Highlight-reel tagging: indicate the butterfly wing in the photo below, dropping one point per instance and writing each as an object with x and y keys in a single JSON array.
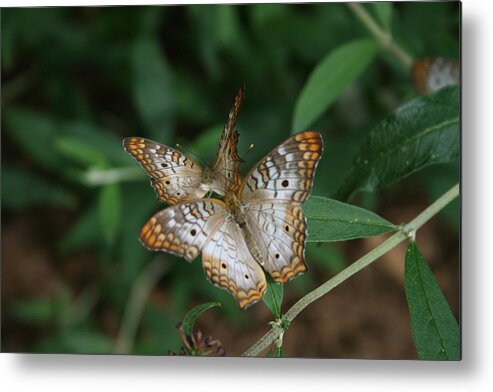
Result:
[
  {"x": 431, "y": 74},
  {"x": 226, "y": 168},
  {"x": 286, "y": 173},
  {"x": 273, "y": 193},
  {"x": 229, "y": 264},
  {"x": 174, "y": 176},
  {"x": 188, "y": 228},
  {"x": 184, "y": 228},
  {"x": 279, "y": 233}
]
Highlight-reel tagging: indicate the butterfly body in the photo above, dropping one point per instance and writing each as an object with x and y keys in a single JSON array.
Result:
[
  {"x": 258, "y": 228},
  {"x": 240, "y": 214},
  {"x": 176, "y": 177}
]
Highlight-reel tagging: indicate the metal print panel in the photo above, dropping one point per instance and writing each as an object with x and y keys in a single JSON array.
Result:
[{"x": 270, "y": 180}]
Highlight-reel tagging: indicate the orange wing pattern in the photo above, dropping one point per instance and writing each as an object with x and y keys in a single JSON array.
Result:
[{"x": 174, "y": 176}]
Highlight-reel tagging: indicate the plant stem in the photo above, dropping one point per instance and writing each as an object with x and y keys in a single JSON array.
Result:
[
  {"x": 95, "y": 177},
  {"x": 384, "y": 38},
  {"x": 136, "y": 303},
  {"x": 407, "y": 231}
]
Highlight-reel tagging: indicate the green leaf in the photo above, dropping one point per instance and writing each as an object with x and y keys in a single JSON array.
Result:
[
  {"x": 160, "y": 336},
  {"x": 435, "y": 330},
  {"x": 34, "y": 133},
  {"x": 134, "y": 255},
  {"x": 110, "y": 204},
  {"x": 215, "y": 28},
  {"x": 205, "y": 145},
  {"x": 332, "y": 220},
  {"x": 273, "y": 296},
  {"x": 153, "y": 94},
  {"x": 88, "y": 342},
  {"x": 21, "y": 189},
  {"x": 383, "y": 12},
  {"x": 85, "y": 231},
  {"x": 191, "y": 104},
  {"x": 327, "y": 256},
  {"x": 276, "y": 352},
  {"x": 39, "y": 310},
  {"x": 327, "y": 81},
  {"x": 8, "y": 44},
  {"x": 191, "y": 316},
  {"x": 103, "y": 141},
  {"x": 80, "y": 151},
  {"x": 422, "y": 132},
  {"x": 39, "y": 136},
  {"x": 81, "y": 340},
  {"x": 227, "y": 25},
  {"x": 304, "y": 282}
]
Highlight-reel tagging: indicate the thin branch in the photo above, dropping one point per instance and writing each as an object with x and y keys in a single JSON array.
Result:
[
  {"x": 96, "y": 177},
  {"x": 136, "y": 304},
  {"x": 383, "y": 37},
  {"x": 406, "y": 232}
]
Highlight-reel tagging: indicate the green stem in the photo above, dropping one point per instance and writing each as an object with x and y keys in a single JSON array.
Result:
[
  {"x": 136, "y": 303},
  {"x": 95, "y": 177},
  {"x": 384, "y": 38},
  {"x": 406, "y": 232}
]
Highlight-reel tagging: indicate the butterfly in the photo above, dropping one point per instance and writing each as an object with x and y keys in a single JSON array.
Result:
[
  {"x": 176, "y": 177},
  {"x": 431, "y": 74},
  {"x": 259, "y": 225}
]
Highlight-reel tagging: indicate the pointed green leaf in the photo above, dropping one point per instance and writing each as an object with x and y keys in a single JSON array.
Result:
[
  {"x": 422, "y": 132},
  {"x": 276, "y": 352},
  {"x": 79, "y": 151},
  {"x": 102, "y": 140},
  {"x": 192, "y": 315},
  {"x": 273, "y": 296},
  {"x": 21, "y": 189},
  {"x": 327, "y": 81},
  {"x": 332, "y": 220},
  {"x": 84, "y": 232},
  {"x": 110, "y": 206},
  {"x": 34, "y": 133},
  {"x": 39, "y": 136},
  {"x": 435, "y": 330}
]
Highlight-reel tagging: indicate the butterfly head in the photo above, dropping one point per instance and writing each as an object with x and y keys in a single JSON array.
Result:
[{"x": 207, "y": 176}]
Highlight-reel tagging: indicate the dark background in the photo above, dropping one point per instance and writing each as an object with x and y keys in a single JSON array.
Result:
[{"x": 76, "y": 81}]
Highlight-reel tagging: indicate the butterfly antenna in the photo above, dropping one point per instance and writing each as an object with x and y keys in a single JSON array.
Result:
[
  {"x": 197, "y": 156},
  {"x": 250, "y": 148}
]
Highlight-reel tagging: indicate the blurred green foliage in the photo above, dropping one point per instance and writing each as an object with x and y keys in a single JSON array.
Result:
[{"x": 79, "y": 80}]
